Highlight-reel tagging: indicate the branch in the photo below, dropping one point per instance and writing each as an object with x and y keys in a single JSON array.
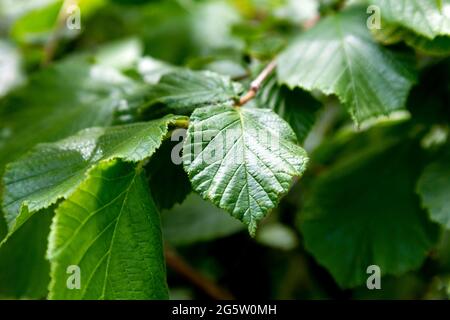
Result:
[
  {"x": 256, "y": 84},
  {"x": 179, "y": 265}
]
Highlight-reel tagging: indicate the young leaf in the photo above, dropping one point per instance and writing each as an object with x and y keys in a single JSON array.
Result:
[
  {"x": 363, "y": 211},
  {"x": 183, "y": 91},
  {"x": 340, "y": 57},
  {"x": 242, "y": 159},
  {"x": 110, "y": 229},
  {"x": 429, "y": 18},
  {"x": 434, "y": 189},
  {"x": 54, "y": 170}
]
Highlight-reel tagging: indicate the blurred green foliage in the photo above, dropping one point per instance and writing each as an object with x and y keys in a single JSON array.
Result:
[{"x": 368, "y": 195}]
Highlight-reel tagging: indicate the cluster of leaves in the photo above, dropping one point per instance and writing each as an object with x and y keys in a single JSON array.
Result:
[{"x": 85, "y": 142}]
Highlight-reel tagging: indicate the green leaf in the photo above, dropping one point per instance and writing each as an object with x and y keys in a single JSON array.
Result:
[
  {"x": 363, "y": 211},
  {"x": 40, "y": 22},
  {"x": 211, "y": 24},
  {"x": 242, "y": 159},
  {"x": 10, "y": 67},
  {"x": 151, "y": 70},
  {"x": 339, "y": 57},
  {"x": 183, "y": 91},
  {"x": 60, "y": 101},
  {"x": 391, "y": 34},
  {"x": 434, "y": 190},
  {"x": 3, "y": 226},
  {"x": 54, "y": 170},
  {"x": 24, "y": 271},
  {"x": 110, "y": 229},
  {"x": 168, "y": 181},
  {"x": 197, "y": 220},
  {"x": 428, "y": 102},
  {"x": 36, "y": 25},
  {"x": 429, "y": 18},
  {"x": 296, "y": 106}
]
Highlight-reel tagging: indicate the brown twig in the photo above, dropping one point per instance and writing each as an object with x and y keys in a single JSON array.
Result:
[
  {"x": 179, "y": 265},
  {"x": 256, "y": 84}
]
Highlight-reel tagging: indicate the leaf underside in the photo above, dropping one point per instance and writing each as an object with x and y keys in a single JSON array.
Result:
[{"x": 363, "y": 211}]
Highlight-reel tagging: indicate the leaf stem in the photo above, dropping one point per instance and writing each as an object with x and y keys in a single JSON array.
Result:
[
  {"x": 256, "y": 84},
  {"x": 179, "y": 265}
]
